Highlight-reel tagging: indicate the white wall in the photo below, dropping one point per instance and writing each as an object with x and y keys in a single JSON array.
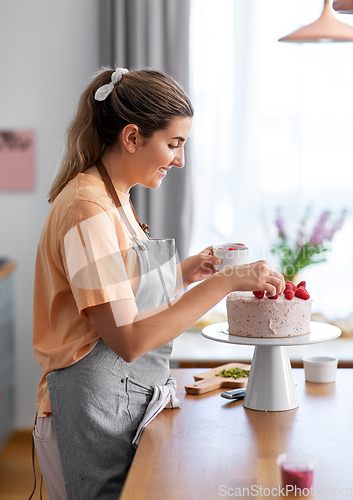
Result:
[{"x": 48, "y": 52}]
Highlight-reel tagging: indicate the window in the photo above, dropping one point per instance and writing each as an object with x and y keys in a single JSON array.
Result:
[{"x": 273, "y": 127}]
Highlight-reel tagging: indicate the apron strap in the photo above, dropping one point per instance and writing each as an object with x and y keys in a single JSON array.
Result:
[
  {"x": 108, "y": 183},
  {"x": 145, "y": 228},
  {"x": 112, "y": 191},
  {"x": 34, "y": 467}
]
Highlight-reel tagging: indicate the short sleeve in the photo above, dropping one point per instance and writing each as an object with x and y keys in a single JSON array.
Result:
[{"x": 93, "y": 257}]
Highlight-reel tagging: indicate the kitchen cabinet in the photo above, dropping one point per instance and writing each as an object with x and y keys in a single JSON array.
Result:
[{"x": 6, "y": 350}]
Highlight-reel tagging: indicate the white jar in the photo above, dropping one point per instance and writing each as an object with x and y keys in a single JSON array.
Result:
[{"x": 320, "y": 369}]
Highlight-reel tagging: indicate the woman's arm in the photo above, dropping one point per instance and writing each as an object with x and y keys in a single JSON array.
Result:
[{"x": 131, "y": 335}]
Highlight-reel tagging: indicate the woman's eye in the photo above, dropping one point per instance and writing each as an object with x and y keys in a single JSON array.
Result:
[{"x": 172, "y": 147}]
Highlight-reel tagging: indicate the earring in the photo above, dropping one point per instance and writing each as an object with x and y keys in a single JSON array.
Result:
[{"x": 130, "y": 149}]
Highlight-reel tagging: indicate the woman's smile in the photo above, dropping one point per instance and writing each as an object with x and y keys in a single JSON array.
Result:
[{"x": 163, "y": 171}]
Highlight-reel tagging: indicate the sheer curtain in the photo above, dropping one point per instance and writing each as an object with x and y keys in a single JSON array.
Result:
[
  {"x": 273, "y": 128},
  {"x": 154, "y": 33}
]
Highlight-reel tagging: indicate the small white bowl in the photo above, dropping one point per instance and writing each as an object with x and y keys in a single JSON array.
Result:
[
  {"x": 320, "y": 369},
  {"x": 235, "y": 257}
]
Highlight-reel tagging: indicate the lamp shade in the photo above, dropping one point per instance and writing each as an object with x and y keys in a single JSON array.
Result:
[
  {"x": 326, "y": 29},
  {"x": 343, "y": 6}
]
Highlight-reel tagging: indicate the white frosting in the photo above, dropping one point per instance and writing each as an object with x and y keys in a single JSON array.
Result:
[{"x": 249, "y": 316}]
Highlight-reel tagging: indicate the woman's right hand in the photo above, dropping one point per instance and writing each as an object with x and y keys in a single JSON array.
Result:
[{"x": 254, "y": 276}]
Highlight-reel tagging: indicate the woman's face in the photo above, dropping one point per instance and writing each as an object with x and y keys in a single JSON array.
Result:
[{"x": 156, "y": 156}]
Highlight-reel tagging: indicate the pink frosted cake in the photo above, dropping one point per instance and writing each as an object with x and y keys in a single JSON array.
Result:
[{"x": 259, "y": 316}]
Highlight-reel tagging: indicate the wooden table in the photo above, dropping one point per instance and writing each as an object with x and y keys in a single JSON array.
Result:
[{"x": 211, "y": 448}]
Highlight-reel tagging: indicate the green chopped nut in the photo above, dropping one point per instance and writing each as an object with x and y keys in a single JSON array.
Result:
[{"x": 234, "y": 373}]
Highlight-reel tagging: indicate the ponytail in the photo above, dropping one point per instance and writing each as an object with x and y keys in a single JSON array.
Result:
[{"x": 83, "y": 143}]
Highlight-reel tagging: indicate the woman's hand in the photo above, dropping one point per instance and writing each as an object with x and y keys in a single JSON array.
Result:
[
  {"x": 198, "y": 267},
  {"x": 255, "y": 276}
]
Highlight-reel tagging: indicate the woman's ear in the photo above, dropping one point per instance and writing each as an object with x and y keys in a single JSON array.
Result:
[{"x": 130, "y": 137}]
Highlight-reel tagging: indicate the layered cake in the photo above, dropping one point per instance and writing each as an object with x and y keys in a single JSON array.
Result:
[{"x": 252, "y": 314}]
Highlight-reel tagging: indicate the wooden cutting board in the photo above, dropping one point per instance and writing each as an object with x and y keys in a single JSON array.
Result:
[{"x": 209, "y": 381}]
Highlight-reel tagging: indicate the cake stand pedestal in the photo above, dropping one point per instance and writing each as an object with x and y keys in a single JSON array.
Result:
[{"x": 271, "y": 384}]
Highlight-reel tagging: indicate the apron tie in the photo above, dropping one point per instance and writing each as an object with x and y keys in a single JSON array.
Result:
[{"x": 164, "y": 396}]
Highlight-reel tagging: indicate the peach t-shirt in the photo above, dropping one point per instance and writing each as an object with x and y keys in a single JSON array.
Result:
[{"x": 84, "y": 258}]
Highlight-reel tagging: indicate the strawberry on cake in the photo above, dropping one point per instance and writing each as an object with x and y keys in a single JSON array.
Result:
[{"x": 253, "y": 314}]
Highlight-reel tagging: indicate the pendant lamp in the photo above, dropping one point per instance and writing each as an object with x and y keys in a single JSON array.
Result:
[
  {"x": 326, "y": 29},
  {"x": 343, "y": 6}
]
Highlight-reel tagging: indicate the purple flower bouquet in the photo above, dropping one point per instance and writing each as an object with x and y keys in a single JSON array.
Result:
[{"x": 309, "y": 246}]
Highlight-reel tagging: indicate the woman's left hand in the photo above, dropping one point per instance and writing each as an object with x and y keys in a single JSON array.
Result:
[{"x": 198, "y": 267}]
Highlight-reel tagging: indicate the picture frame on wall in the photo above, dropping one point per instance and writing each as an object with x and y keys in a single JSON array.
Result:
[{"x": 17, "y": 157}]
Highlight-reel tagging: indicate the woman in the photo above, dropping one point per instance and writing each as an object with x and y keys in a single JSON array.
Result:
[{"x": 104, "y": 313}]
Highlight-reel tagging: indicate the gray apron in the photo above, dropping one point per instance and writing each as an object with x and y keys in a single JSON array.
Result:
[{"x": 99, "y": 402}]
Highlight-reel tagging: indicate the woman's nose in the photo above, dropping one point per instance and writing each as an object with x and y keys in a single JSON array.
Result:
[{"x": 179, "y": 158}]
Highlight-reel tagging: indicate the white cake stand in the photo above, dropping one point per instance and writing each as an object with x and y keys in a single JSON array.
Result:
[{"x": 271, "y": 384}]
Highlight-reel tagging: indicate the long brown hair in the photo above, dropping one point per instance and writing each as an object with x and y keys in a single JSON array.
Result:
[{"x": 147, "y": 98}]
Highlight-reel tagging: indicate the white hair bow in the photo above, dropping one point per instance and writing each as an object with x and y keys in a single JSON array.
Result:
[{"x": 103, "y": 92}]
